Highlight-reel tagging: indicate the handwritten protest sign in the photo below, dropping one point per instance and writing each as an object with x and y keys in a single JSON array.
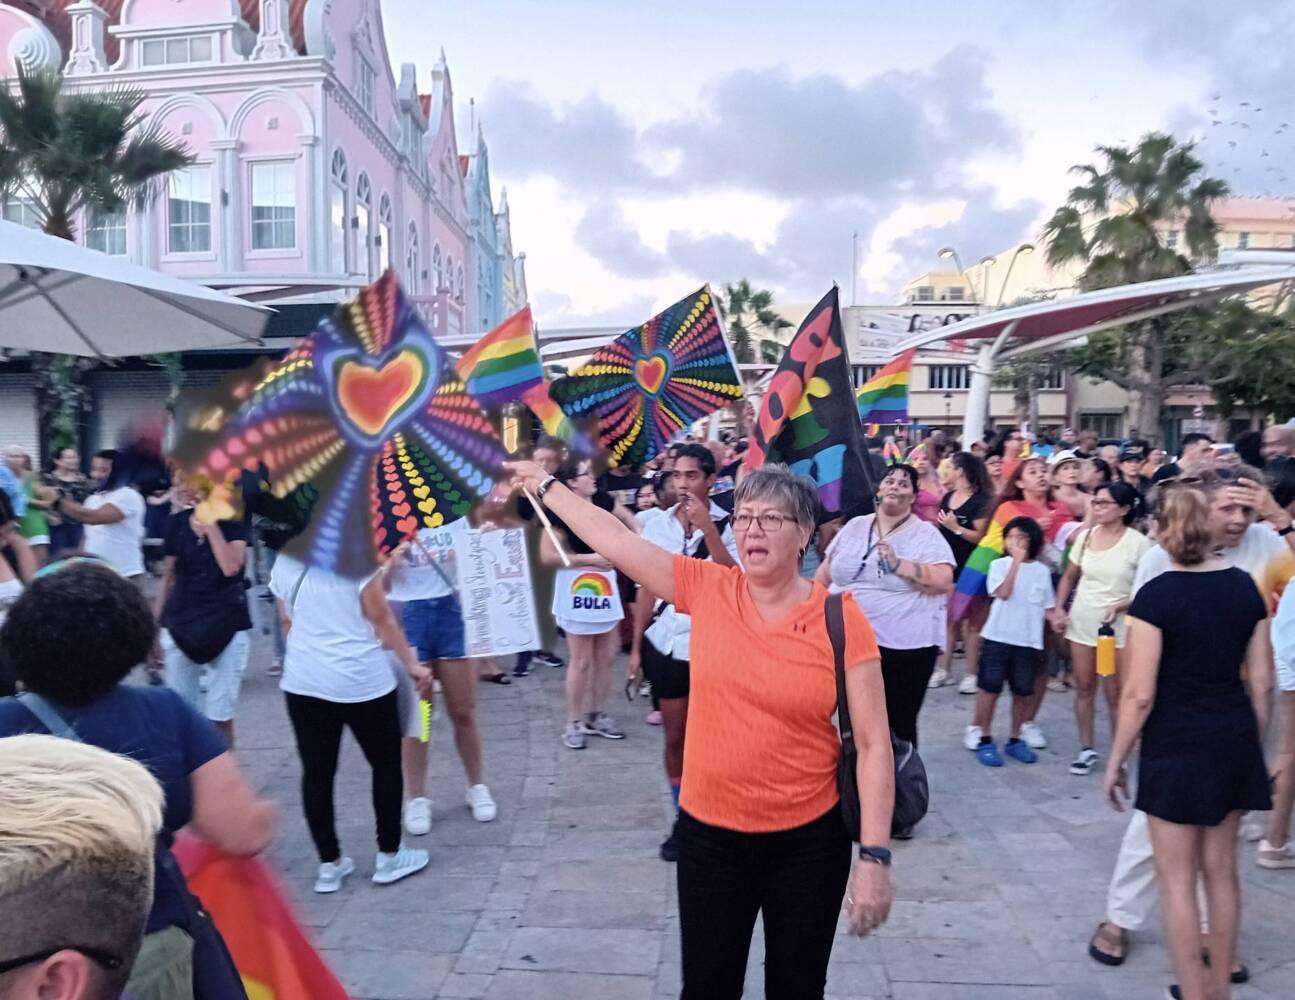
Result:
[{"x": 495, "y": 588}]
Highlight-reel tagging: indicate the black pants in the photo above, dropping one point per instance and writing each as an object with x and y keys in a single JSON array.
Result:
[
  {"x": 796, "y": 878},
  {"x": 318, "y": 727},
  {"x": 905, "y": 672}
]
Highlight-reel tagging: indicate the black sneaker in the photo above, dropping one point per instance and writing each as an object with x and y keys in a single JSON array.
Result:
[
  {"x": 521, "y": 671},
  {"x": 548, "y": 659},
  {"x": 669, "y": 849}
]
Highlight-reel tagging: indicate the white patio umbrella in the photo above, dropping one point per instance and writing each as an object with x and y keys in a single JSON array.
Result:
[{"x": 62, "y": 298}]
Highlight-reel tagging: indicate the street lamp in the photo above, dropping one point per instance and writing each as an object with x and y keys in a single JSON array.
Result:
[
  {"x": 946, "y": 253},
  {"x": 1024, "y": 250}
]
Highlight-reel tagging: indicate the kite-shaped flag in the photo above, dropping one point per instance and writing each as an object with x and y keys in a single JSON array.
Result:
[
  {"x": 649, "y": 384},
  {"x": 883, "y": 399},
  {"x": 808, "y": 418},
  {"x": 369, "y": 410},
  {"x": 504, "y": 364}
]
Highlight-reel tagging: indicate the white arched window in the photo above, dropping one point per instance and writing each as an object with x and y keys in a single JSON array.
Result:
[
  {"x": 436, "y": 267},
  {"x": 363, "y": 251},
  {"x": 384, "y": 234},
  {"x": 458, "y": 283},
  {"x": 448, "y": 280},
  {"x": 337, "y": 217},
  {"x": 413, "y": 262}
]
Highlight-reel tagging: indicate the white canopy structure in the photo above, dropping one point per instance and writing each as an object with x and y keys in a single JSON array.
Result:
[
  {"x": 63, "y": 298},
  {"x": 1041, "y": 326}
]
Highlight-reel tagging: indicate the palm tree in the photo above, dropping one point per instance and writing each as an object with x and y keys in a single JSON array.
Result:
[
  {"x": 63, "y": 153},
  {"x": 748, "y": 313},
  {"x": 1115, "y": 223}
]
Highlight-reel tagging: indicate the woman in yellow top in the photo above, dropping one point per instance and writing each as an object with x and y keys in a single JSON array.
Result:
[{"x": 1103, "y": 561}]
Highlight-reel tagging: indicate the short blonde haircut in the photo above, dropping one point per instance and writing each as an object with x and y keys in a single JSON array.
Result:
[
  {"x": 1186, "y": 526},
  {"x": 78, "y": 827}
]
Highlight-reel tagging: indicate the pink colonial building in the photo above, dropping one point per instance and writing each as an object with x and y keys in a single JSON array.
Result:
[{"x": 316, "y": 167}]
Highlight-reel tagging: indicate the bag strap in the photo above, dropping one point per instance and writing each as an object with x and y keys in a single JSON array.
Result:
[
  {"x": 836, "y": 634},
  {"x": 49, "y": 717},
  {"x": 296, "y": 589}
]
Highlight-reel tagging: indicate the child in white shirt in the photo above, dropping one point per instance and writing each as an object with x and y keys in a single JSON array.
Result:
[{"x": 1021, "y": 587}]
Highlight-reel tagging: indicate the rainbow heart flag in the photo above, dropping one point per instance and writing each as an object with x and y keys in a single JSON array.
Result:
[
  {"x": 972, "y": 587},
  {"x": 883, "y": 399},
  {"x": 504, "y": 364},
  {"x": 807, "y": 418},
  {"x": 650, "y": 384}
]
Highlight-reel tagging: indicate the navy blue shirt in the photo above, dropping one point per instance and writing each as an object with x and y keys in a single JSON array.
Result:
[{"x": 156, "y": 727}]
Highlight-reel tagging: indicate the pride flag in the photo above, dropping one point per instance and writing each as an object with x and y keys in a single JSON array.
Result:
[
  {"x": 883, "y": 399},
  {"x": 274, "y": 958},
  {"x": 972, "y": 586},
  {"x": 806, "y": 419},
  {"x": 504, "y": 364}
]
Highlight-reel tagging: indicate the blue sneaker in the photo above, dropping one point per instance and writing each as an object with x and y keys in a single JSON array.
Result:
[
  {"x": 987, "y": 754},
  {"x": 1019, "y": 750}
]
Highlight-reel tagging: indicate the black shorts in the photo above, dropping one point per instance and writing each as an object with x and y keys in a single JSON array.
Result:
[
  {"x": 668, "y": 676},
  {"x": 1015, "y": 664}
]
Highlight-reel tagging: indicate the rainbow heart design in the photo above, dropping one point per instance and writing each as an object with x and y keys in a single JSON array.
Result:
[
  {"x": 651, "y": 373},
  {"x": 373, "y": 397}
]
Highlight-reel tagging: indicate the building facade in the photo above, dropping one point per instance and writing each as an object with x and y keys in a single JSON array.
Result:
[{"x": 316, "y": 166}]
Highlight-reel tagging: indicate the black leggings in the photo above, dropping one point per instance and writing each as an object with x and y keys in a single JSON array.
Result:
[
  {"x": 318, "y": 727},
  {"x": 905, "y": 672},
  {"x": 796, "y": 878}
]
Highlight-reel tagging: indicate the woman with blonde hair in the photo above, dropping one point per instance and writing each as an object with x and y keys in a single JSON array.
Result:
[{"x": 1201, "y": 764}]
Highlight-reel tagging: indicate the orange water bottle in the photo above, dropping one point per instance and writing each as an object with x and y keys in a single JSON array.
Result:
[{"x": 1106, "y": 650}]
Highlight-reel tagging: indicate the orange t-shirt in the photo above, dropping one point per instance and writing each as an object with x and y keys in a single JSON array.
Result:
[{"x": 762, "y": 747}]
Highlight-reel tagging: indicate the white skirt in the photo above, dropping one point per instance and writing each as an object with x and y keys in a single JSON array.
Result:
[{"x": 586, "y": 601}]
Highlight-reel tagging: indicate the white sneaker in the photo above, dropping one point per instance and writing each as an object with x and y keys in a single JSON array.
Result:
[
  {"x": 1252, "y": 828},
  {"x": 574, "y": 737},
  {"x": 331, "y": 874},
  {"x": 388, "y": 868},
  {"x": 939, "y": 678},
  {"x": 968, "y": 684},
  {"x": 1268, "y": 856},
  {"x": 1033, "y": 736},
  {"x": 971, "y": 738},
  {"x": 418, "y": 817},
  {"x": 1085, "y": 762},
  {"x": 482, "y": 805}
]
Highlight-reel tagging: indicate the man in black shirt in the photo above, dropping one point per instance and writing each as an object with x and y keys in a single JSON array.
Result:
[{"x": 1196, "y": 448}]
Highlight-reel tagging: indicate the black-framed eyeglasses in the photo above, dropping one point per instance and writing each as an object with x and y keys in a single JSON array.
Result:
[
  {"x": 769, "y": 521},
  {"x": 107, "y": 960}
]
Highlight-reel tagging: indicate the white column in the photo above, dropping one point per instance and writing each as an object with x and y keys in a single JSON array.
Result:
[
  {"x": 982, "y": 376},
  {"x": 87, "y": 56},
  {"x": 229, "y": 258},
  {"x": 317, "y": 219}
]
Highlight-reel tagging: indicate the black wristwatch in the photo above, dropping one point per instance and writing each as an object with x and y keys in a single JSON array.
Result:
[
  {"x": 545, "y": 486},
  {"x": 1286, "y": 530},
  {"x": 876, "y": 855}
]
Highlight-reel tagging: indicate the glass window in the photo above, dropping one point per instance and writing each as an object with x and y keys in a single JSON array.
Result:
[
  {"x": 447, "y": 279},
  {"x": 1171, "y": 239},
  {"x": 436, "y": 266},
  {"x": 363, "y": 239},
  {"x": 175, "y": 51},
  {"x": 864, "y": 372},
  {"x": 1243, "y": 241},
  {"x": 22, "y": 210},
  {"x": 107, "y": 233},
  {"x": 1052, "y": 378},
  {"x": 189, "y": 211},
  {"x": 950, "y": 376},
  {"x": 413, "y": 262},
  {"x": 384, "y": 234},
  {"x": 1107, "y": 425},
  {"x": 925, "y": 293},
  {"x": 458, "y": 283},
  {"x": 274, "y": 205},
  {"x": 337, "y": 228},
  {"x": 366, "y": 85}
]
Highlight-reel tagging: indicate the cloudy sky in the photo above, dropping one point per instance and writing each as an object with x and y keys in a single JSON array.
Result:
[{"x": 648, "y": 147}]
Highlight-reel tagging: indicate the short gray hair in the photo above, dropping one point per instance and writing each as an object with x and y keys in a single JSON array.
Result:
[{"x": 797, "y": 495}]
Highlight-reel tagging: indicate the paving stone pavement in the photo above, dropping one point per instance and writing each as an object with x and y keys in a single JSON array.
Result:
[{"x": 563, "y": 896}]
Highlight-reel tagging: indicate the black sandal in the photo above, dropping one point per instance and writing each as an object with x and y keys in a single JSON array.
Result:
[
  {"x": 1240, "y": 975},
  {"x": 500, "y": 678},
  {"x": 1105, "y": 958}
]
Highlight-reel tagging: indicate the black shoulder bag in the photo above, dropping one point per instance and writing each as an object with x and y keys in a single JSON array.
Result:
[
  {"x": 912, "y": 793},
  {"x": 215, "y": 976}
]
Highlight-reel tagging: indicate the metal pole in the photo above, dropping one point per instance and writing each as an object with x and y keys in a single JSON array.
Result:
[
  {"x": 854, "y": 270},
  {"x": 982, "y": 376}
]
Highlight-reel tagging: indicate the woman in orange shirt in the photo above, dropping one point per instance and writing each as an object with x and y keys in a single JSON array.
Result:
[{"x": 760, "y": 826}]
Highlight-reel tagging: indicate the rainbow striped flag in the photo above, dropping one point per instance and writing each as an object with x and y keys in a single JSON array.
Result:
[
  {"x": 504, "y": 364},
  {"x": 972, "y": 587},
  {"x": 883, "y": 399},
  {"x": 554, "y": 421}
]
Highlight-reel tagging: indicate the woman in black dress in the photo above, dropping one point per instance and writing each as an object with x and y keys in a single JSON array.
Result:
[
  {"x": 1201, "y": 766},
  {"x": 963, "y": 518}
]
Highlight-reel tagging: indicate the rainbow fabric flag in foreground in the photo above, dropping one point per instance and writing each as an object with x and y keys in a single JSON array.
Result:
[
  {"x": 504, "y": 364},
  {"x": 883, "y": 399},
  {"x": 275, "y": 959}
]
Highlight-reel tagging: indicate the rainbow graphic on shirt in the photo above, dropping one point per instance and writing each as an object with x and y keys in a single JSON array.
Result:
[{"x": 591, "y": 592}]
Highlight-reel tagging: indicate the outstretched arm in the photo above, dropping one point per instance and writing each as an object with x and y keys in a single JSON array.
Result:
[{"x": 645, "y": 563}]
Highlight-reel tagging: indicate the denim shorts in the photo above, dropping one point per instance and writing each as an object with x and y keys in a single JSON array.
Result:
[
  {"x": 1015, "y": 664},
  {"x": 434, "y": 627}
]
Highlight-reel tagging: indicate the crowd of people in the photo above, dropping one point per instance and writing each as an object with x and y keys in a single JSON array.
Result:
[{"x": 1041, "y": 565}]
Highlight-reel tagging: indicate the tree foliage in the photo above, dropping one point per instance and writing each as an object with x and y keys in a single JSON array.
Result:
[
  {"x": 1114, "y": 223},
  {"x": 752, "y": 323}
]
